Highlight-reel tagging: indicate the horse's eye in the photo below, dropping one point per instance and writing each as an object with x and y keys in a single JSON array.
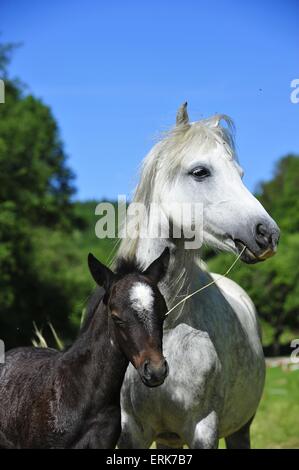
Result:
[
  {"x": 200, "y": 173},
  {"x": 118, "y": 321}
]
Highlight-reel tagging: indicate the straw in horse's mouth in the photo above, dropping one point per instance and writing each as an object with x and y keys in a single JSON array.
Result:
[{"x": 248, "y": 255}]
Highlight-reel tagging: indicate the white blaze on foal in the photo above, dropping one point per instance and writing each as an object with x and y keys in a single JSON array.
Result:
[{"x": 142, "y": 298}]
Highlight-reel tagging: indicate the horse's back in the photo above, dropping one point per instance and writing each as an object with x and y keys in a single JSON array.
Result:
[
  {"x": 242, "y": 305},
  {"x": 25, "y": 377},
  {"x": 20, "y": 361}
]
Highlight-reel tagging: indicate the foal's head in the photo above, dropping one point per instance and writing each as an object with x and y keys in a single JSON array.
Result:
[{"x": 136, "y": 310}]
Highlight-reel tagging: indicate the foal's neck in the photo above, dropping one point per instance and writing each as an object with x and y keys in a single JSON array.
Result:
[{"x": 97, "y": 357}]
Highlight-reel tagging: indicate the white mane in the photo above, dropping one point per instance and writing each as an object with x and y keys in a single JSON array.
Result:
[{"x": 164, "y": 159}]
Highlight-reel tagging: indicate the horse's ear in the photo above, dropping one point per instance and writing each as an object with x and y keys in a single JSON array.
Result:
[
  {"x": 158, "y": 268},
  {"x": 182, "y": 117},
  {"x": 101, "y": 274}
]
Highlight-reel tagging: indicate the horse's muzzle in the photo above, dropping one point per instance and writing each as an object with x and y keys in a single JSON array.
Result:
[
  {"x": 153, "y": 375},
  {"x": 262, "y": 246}
]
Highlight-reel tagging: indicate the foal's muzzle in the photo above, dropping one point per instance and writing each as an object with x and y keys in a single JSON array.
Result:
[{"x": 153, "y": 375}]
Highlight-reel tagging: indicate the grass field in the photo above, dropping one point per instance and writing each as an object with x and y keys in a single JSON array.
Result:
[
  {"x": 277, "y": 421},
  {"x": 276, "y": 425}
]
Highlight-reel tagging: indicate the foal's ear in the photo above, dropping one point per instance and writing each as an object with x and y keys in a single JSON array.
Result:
[
  {"x": 101, "y": 274},
  {"x": 158, "y": 268}
]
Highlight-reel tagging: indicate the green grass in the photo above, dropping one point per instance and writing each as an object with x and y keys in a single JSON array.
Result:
[
  {"x": 276, "y": 425},
  {"x": 277, "y": 421}
]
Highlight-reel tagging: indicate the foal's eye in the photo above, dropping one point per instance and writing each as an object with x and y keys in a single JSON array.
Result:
[
  {"x": 200, "y": 173},
  {"x": 118, "y": 321}
]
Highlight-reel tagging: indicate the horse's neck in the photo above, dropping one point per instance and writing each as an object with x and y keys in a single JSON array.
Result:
[
  {"x": 182, "y": 276},
  {"x": 96, "y": 358}
]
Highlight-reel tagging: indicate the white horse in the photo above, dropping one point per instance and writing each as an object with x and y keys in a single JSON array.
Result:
[{"x": 212, "y": 341}]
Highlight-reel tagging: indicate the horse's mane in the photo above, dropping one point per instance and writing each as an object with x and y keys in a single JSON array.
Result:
[
  {"x": 163, "y": 160},
  {"x": 92, "y": 306},
  {"x": 124, "y": 266}
]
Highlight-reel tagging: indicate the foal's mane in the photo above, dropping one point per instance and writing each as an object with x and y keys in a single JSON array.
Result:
[
  {"x": 126, "y": 266},
  {"x": 162, "y": 162}
]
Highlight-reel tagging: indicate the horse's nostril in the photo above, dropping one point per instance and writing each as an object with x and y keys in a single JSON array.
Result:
[
  {"x": 146, "y": 369},
  {"x": 166, "y": 368},
  {"x": 154, "y": 374},
  {"x": 263, "y": 236},
  {"x": 261, "y": 230}
]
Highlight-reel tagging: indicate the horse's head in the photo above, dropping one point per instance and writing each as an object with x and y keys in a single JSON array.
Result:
[
  {"x": 136, "y": 310},
  {"x": 196, "y": 163}
]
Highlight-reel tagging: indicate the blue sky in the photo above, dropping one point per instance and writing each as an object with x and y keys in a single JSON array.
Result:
[{"x": 114, "y": 73}]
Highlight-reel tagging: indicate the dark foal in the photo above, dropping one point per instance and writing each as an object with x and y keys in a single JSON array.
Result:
[{"x": 71, "y": 399}]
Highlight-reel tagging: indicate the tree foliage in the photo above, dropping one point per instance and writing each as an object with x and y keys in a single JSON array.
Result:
[
  {"x": 280, "y": 195},
  {"x": 36, "y": 186}
]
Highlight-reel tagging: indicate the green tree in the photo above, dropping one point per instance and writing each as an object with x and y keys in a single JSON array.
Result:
[
  {"x": 36, "y": 186},
  {"x": 279, "y": 196}
]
